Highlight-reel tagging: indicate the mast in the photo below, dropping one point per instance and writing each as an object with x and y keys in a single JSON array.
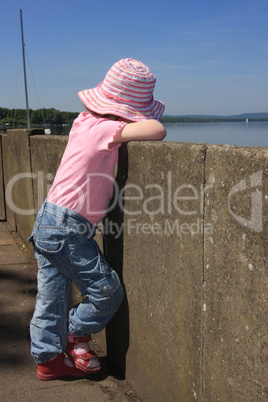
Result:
[{"x": 24, "y": 69}]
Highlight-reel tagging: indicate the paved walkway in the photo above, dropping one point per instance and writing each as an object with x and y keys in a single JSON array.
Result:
[{"x": 18, "y": 381}]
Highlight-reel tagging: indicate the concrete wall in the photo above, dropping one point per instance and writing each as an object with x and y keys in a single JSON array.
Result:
[
  {"x": 2, "y": 184},
  {"x": 18, "y": 180},
  {"x": 235, "y": 275},
  {"x": 188, "y": 237}
]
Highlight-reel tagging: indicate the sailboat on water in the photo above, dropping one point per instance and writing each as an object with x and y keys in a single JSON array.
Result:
[{"x": 47, "y": 130}]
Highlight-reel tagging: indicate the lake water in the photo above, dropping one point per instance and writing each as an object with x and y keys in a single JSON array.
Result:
[{"x": 232, "y": 133}]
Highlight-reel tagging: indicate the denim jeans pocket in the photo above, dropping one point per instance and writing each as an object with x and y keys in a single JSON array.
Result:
[
  {"x": 49, "y": 241},
  {"x": 53, "y": 247},
  {"x": 50, "y": 245}
]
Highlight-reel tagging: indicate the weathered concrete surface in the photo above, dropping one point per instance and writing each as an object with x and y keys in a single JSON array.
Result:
[
  {"x": 235, "y": 287},
  {"x": 2, "y": 184},
  {"x": 46, "y": 154},
  {"x": 162, "y": 313},
  {"x": 9, "y": 214},
  {"x": 18, "y": 180}
]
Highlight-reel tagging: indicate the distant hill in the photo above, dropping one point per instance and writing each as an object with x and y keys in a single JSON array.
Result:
[
  {"x": 250, "y": 116},
  {"x": 213, "y": 118},
  {"x": 235, "y": 116}
]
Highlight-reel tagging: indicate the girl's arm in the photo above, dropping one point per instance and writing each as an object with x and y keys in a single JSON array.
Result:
[{"x": 142, "y": 130}]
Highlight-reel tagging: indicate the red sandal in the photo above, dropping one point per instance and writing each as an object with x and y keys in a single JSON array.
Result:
[
  {"x": 59, "y": 366},
  {"x": 79, "y": 352}
]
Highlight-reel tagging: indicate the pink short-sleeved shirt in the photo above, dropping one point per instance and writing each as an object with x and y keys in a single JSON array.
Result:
[{"x": 84, "y": 180}]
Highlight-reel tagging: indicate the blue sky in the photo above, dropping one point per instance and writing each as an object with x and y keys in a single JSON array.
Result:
[{"x": 209, "y": 57}]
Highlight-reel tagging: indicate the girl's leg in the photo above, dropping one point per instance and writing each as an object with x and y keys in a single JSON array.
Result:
[
  {"x": 103, "y": 296},
  {"x": 93, "y": 313},
  {"x": 48, "y": 326},
  {"x": 100, "y": 285}
]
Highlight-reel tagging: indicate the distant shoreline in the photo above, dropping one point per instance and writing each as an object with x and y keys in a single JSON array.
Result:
[
  {"x": 209, "y": 120},
  {"x": 212, "y": 118},
  {"x": 53, "y": 117}
]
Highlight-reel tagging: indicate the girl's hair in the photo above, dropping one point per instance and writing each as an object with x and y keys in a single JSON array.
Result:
[{"x": 108, "y": 116}]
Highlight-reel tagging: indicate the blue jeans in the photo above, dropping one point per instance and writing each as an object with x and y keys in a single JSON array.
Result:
[{"x": 66, "y": 252}]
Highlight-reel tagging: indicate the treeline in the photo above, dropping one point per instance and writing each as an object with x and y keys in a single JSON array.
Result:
[
  {"x": 39, "y": 117},
  {"x": 18, "y": 117}
]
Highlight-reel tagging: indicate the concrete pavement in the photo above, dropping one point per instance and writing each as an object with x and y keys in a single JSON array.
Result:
[{"x": 18, "y": 380}]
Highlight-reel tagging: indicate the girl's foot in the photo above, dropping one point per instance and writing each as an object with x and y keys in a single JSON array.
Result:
[
  {"x": 59, "y": 366},
  {"x": 83, "y": 357}
]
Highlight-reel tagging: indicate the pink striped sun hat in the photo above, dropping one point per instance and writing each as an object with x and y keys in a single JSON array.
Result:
[{"x": 126, "y": 91}]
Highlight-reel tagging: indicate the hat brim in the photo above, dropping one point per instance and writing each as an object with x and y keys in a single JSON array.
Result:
[{"x": 94, "y": 100}]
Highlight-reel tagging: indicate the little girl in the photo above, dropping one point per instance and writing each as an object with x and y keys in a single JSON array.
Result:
[{"x": 120, "y": 109}]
